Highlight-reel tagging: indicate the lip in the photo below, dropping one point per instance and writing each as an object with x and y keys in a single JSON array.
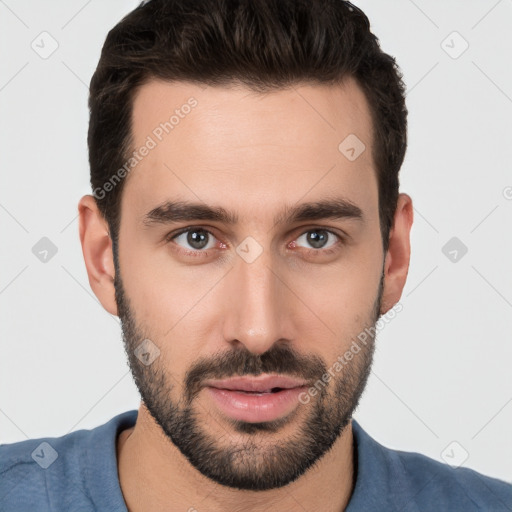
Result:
[
  {"x": 249, "y": 399},
  {"x": 260, "y": 384}
]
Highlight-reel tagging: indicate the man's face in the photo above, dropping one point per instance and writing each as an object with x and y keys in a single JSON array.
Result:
[{"x": 266, "y": 295}]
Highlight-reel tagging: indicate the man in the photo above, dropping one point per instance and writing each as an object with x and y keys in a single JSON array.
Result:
[{"x": 246, "y": 227}]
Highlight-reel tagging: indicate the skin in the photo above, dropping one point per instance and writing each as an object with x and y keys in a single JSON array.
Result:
[{"x": 252, "y": 154}]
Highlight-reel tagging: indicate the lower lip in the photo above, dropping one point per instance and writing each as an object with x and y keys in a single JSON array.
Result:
[{"x": 252, "y": 407}]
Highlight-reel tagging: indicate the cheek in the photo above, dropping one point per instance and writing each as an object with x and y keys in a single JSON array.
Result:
[
  {"x": 160, "y": 291},
  {"x": 166, "y": 302},
  {"x": 342, "y": 298},
  {"x": 351, "y": 282}
]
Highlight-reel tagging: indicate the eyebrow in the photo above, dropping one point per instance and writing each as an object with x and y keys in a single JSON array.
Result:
[{"x": 179, "y": 211}]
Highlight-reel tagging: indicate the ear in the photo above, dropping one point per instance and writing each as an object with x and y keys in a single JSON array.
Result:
[
  {"x": 396, "y": 265},
  {"x": 97, "y": 251}
]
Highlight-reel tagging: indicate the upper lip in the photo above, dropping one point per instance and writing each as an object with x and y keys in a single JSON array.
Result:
[{"x": 258, "y": 384}]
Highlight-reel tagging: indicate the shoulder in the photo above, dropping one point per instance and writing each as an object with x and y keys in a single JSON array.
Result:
[
  {"x": 60, "y": 473},
  {"x": 440, "y": 484},
  {"x": 26, "y": 468},
  {"x": 412, "y": 481}
]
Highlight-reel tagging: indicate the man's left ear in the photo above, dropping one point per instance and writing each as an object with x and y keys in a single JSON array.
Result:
[{"x": 396, "y": 265}]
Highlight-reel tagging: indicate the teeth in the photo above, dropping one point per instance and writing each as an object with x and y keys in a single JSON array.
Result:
[{"x": 257, "y": 392}]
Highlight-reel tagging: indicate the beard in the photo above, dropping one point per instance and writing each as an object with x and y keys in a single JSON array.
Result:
[{"x": 264, "y": 460}]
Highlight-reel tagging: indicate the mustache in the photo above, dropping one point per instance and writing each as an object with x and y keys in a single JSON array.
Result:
[{"x": 279, "y": 359}]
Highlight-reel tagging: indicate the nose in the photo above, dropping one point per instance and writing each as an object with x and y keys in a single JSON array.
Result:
[{"x": 255, "y": 312}]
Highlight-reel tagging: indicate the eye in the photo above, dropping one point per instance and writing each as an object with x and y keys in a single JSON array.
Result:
[
  {"x": 318, "y": 238},
  {"x": 194, "y": 240}
]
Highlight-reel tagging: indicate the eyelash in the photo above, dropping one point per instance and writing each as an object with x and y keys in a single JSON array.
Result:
[{"x": 200, "y": 253}]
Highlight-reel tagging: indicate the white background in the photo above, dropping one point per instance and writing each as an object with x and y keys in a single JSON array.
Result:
[{"x": 442, "y": 371}]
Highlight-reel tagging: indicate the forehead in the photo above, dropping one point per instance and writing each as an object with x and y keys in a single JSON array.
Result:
[{"x": 233, "y": 145}]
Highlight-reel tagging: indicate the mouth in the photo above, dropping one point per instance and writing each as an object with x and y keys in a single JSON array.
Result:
[
  {"x": 260, "y": 384},
  {"x": 256, "y": 399},
  {"x": 273, "y": 390}
]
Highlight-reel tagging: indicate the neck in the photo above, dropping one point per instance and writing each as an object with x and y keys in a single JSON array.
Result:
[{"x": 154, "y": 475}]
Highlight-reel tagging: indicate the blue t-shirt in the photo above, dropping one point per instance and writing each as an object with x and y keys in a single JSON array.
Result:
[{"x": 78, "y": 472}]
